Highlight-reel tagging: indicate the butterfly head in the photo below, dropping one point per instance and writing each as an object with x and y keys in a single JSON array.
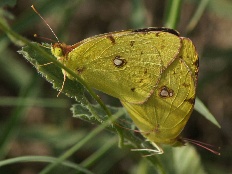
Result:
[
  {"x": 61, "y": 50},
  {"x": 57, "y": 49}
]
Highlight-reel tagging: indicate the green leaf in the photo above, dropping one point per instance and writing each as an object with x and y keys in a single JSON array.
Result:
[
  {"x": 177, "y": 160},
  {"x": 197, "y": 15},
  {"x": 51, "y": 72},
  {"x": 172, "y": 13},
  {"x": 89, "y": 113},
  {"x": 187, "y": 160},
  {"x": 201, "y": 108}
]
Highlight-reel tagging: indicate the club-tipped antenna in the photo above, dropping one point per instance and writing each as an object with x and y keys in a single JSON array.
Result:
[
  {"x": 44, "y": 38},
  {"x": 45, "y": 23}
]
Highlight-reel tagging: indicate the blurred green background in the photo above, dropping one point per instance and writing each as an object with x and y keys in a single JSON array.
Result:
[{"x": 33, "y": 121}]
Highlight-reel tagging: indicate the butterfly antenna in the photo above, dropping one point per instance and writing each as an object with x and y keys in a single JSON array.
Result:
[
  {"x": 203, "y": 145},
  {"x": 45, "y": 22},
  {"x": 44, "y": 38}
]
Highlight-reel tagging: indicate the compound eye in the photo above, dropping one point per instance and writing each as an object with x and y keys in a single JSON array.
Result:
[{"x": 57, "y": 51}]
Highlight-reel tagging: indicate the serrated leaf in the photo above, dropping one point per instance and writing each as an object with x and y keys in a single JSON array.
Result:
[{"x": 95, "y": 114}]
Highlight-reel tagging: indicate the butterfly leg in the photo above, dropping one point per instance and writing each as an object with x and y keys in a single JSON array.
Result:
[
  {"x": 62, "y": 87},
  {"x": 59, "y": 59},
  {"x": 46, "y": 64},
  {"x": 158, "y": 150}
]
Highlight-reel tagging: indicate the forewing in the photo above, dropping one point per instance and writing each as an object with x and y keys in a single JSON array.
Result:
[{"x": 126, "y": 65}]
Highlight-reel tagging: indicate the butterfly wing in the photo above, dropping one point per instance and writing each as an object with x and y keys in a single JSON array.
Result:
[
  {"x": 127, "y": 64},
  {"x": 164, "y": 115}
]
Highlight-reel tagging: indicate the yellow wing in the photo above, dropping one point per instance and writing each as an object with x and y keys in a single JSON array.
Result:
[
  {"x": 164, "y": 115},
  {"x": 126, "y": 64}
]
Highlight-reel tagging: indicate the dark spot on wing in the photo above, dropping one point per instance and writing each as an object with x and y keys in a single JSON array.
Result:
[
  {"x": 196, "y": 63},
  {"x": 119, "y": 61},
  {"x": 165, "y": 92},
  {"x": 132, "y": 89},
  {"x": 80, "y": 70},
  {"x": 157, "y": 129},
  {"x": 145, "y": 71},
  {"x": 111, "y": 38},
  {"x": 190, "y": 100},
  {"x": 132, "y": 43},
  {"x": 163, "y": 29},
  {"x": 186, "y": 85}
]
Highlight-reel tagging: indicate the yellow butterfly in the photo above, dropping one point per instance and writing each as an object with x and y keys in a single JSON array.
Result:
[{"x": 152, "y": 71}]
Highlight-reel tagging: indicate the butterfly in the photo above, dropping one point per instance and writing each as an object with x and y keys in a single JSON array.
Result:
[{"x": 152, "y": 71}]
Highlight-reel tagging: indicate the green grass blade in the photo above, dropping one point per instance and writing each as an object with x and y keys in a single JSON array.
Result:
[
  {"x": 43, "y": 159},
  {"x": 197, "y": 15},
  {"x": 202, "y": 109},
  {"x": 172, "y": 13},
  {"x": 99, "y": 153}
]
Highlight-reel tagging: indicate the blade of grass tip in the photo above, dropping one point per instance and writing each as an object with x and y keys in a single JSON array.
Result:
[
  {"x": 77, "y": 146},
  {"x": 172, "y": 13},
  {"x": 202, "y": 109},
  {"x": 197, "y": 15},
  {"x": 43, "y": 159}
]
